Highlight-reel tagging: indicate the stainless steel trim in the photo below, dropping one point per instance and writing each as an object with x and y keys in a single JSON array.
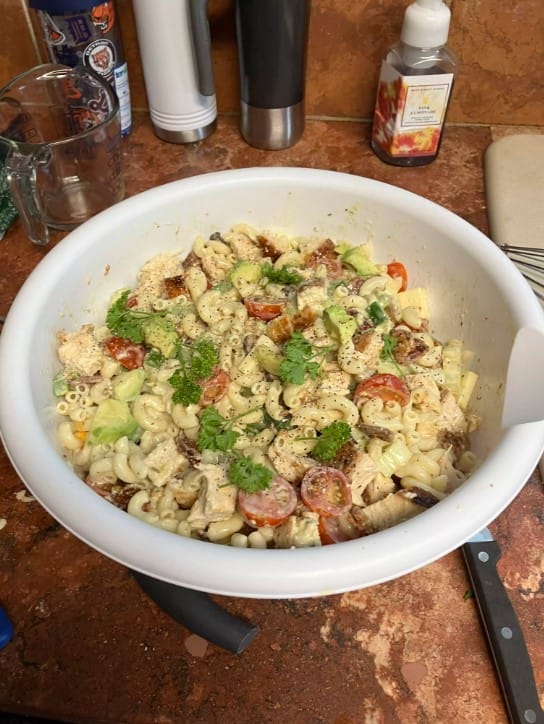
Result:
[
  {"x": 271, "y": 128},
  {"x": 190, "y": 136}
]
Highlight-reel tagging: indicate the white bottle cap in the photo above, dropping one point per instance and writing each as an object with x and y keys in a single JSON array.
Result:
[{"x": 426, "y": 24}]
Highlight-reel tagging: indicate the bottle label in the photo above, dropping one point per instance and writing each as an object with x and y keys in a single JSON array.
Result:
[
  {"x": 410, "y": 111},
  {"x": 123, "y": 93},
  {"x": 91, "y": 37}
]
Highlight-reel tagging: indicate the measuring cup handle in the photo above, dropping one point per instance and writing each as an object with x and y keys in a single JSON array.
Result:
[{"x": 21, "y": 175}]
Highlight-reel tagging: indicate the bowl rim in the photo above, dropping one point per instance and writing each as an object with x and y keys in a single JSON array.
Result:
[{"x": 250, "y": 573}]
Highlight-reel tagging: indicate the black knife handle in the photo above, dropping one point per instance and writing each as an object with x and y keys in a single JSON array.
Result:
[{"x": 504, "y": 633}]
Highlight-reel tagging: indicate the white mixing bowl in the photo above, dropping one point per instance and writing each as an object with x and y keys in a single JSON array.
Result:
[{"x": 476, "y": 294}]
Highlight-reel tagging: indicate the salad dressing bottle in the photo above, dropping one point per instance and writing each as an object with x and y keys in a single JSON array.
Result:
[{"x": 414, "y": 88}]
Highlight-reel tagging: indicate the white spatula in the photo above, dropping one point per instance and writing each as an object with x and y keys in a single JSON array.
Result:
[{"x": 524, "y": 394}]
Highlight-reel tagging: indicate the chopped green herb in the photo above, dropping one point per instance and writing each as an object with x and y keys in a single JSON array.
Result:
[
  {"x": 376, "y": 313},
  {"x": 215, "y": 431},
  {"x": 389, "y": 344},
  {"x": 283, "y": 424},
  {"x": 298, "y": 360},
  {"x": 468, "y": 594},
  {"x": 332, "y": 438},
  {"x": 127, "y": 322},
  {"x": 283, "y": 275},
  {"x": 186, "y": 391},
  {"x": 197, "y": 362},
  {"x": 249, "y": 476},
  {"x": 154, "y": 358}
]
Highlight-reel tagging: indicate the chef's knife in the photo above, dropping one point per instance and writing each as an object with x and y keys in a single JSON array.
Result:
[{"x": 502, "y": 629}]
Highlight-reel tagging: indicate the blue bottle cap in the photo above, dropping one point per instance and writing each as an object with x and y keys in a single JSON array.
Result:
[{"x": 6, "y": 629}]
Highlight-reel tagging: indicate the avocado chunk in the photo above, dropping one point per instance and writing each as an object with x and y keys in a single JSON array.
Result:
[
  {"x": 268, "y": 355},
  {"x": 128, "y": 385},
  {"x": 339, "y": 323},
  {"x": 161, "y": 334},
  {"x": 245, "y": 275},
  {"x": 358, "y": 257},
  {"x": 111, "y": 421}
]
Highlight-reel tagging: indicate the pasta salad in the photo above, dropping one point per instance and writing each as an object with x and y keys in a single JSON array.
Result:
[{"x": 267, "y": 391}]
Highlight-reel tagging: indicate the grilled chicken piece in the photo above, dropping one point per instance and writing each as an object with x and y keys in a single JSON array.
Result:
[
  {"x": 385, "y": 513},
  {"x": 175, "y": 286},
  {"x": 408, "y": 347}
]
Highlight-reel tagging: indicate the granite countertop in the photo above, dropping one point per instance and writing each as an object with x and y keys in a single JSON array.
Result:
[{"x": 90, "y": 646}]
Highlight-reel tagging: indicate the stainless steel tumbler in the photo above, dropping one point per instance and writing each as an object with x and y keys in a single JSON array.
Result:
[{"x": 272, "y": 37}]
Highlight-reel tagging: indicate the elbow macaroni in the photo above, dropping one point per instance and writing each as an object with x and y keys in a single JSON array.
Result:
[{"x": 413, "y": 442}]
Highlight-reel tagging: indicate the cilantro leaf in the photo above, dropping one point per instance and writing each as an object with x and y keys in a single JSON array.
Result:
[
  {"x": 298, "y": 360},
  {"x": 332, "y": 438},
  {"x": 283, "y": 275},
  {"x": 249, "y": 476},
  {"x": 215, "y": 431},
  {"x": 124, "y": 321}
]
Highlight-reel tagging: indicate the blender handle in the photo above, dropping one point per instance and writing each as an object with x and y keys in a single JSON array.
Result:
[
  {"x": 21, "y": 176},
  {"x": 203, "y": 45},
  {"x": 197, "y": 612}
]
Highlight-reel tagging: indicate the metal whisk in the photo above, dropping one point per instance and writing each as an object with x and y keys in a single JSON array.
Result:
[{"x": 530, "y": 262}]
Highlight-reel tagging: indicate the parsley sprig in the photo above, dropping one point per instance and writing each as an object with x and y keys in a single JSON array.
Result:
[
  {"x": 282, "y": 275},
  {"x": 332, "y": 438},
  {"x": 216, "y": 433},
  {"x": 124, "y": 321},
  {"x": 248, "y": 475},
  {"x": 300, "y": 358},
  {"x": 197, "y": 362}
]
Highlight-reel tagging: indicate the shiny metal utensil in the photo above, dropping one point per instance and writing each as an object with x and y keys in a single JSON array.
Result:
[
  {"x": 530, "y": 262},
  {"x": 503, "y": 631}
]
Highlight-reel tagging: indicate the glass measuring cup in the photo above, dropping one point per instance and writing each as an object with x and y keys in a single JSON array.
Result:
[{"x": 60, "y": 141}]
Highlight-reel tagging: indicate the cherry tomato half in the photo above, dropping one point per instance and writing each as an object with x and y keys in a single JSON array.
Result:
[
  {"x": 385, "y": 386},
  {"x": 129, "y": 354},
  {"x": 397, "y": 270},
  {"x": 214, "y": 387},
  {"x": 326, "y": 491},
  {"x": 268, "y": 507},
  {"x": 263, "y": 308}
]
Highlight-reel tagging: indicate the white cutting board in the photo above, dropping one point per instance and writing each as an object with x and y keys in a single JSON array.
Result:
[{"x": 514, "y": 182}]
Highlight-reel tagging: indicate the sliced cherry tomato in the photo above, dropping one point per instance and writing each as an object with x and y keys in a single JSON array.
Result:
[
  {"x": 385, "y": 386},
  {"x": 264, "y": 308},
  {"x": 337, "y": 530},
  {"x": 397, "y": 270},
  {"x": 326, "y": 491},
  {"x": 268, "y": 507},
  {"x": 129, "y": 354},
  {"x": 214, "y": 387}
]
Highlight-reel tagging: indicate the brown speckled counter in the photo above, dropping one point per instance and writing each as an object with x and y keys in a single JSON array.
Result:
[{"x": 89, "y": 646}]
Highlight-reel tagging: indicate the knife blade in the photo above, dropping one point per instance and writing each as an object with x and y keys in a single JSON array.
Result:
[{"x": 502, "y": 628}]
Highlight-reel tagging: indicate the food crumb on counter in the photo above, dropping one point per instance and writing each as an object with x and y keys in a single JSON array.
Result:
[{"x": 24, "y": 497}]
